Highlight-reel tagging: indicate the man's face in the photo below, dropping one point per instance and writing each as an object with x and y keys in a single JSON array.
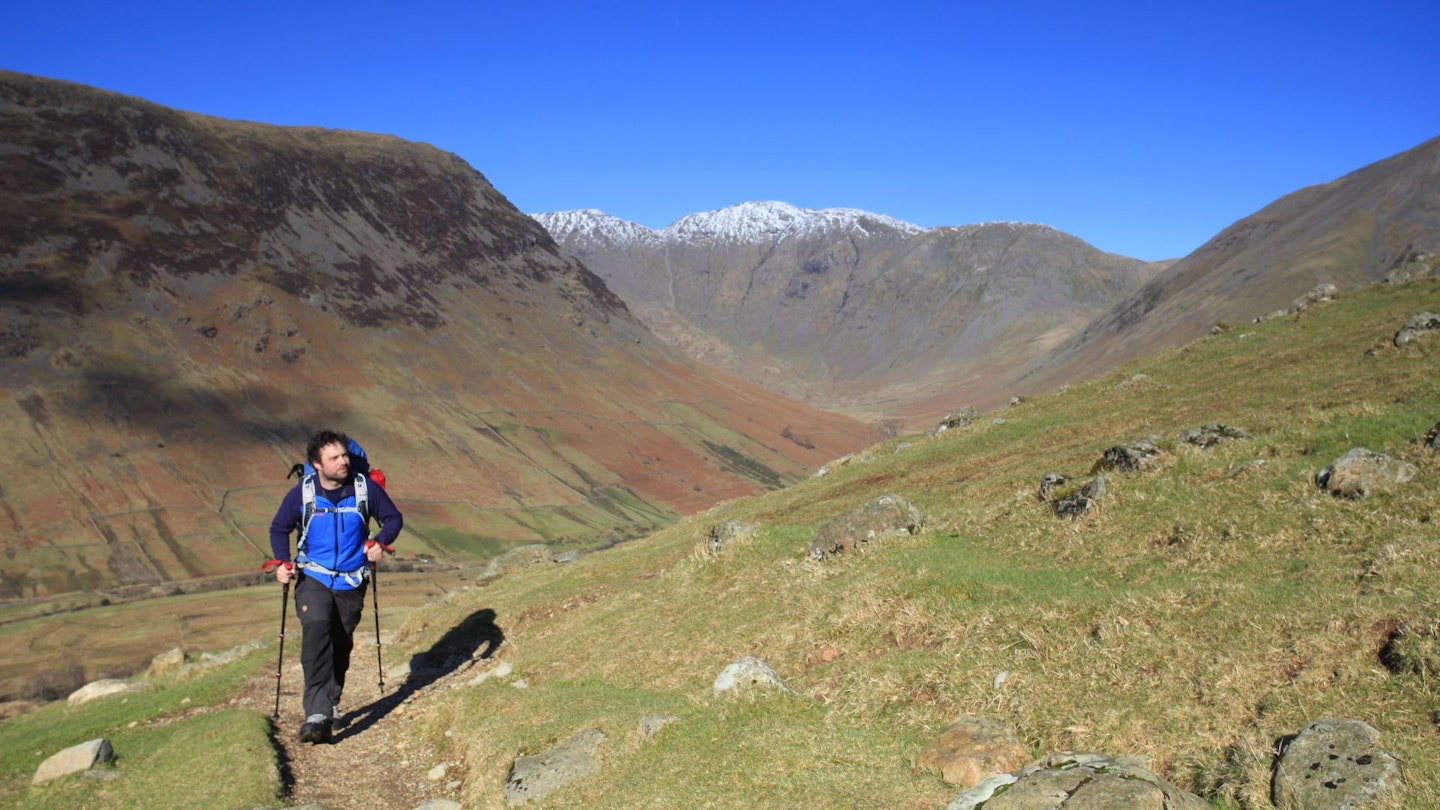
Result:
[{"x": 334, "y": 462}]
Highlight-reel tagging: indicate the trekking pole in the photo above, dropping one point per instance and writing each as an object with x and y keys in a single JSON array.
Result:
[
  {"x": 269, "y": 568},
  {"x": 375, "y": 594}
]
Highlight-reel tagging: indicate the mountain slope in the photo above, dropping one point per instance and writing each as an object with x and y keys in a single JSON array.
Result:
[
  {"x": 183, "y": 299},
  {"x": 847, "y": 308},
  {"x": 1201, "y": 609},
  {"x": 1350, "y": 232}
]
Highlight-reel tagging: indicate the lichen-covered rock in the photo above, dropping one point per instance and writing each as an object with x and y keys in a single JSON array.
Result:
[
  {"x": 973, "y": 749},
  {"x": 651, "y": 724},
  {"x": 731, "y": 531},
  {"x": 887, "y": 515},
  {"x": 536, "y": 776},
  {"x": 1361, "y": 472},
  {"x": 956, "y": 419},
  {"x": 746, "y": 673},
  {"x": 1212, "y": 434},
  {"x": 1333, "y": 765},
  {"x": 1410, "y": 268},
  {"x": 1074, "y": 504},
  {"x": 1133, "y": 457},
  {"x": 1417, "y": 325},
  {"x": 1049, "y": 483},
  {"x": 1078, "y": 781},
  {"x": 1321, "y": 294}
]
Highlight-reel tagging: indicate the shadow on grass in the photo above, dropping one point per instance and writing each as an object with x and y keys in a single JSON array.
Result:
[{"x": 474, "y": 639}]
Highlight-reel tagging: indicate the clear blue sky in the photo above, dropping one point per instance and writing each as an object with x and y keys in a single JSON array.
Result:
[{"x": 1143, "y": 128}]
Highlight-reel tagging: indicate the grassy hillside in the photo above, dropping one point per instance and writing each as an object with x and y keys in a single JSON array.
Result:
[{"x": 1195, "y": 617}]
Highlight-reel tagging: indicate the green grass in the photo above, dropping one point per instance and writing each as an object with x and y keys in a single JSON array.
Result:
[{"x": 170, "y": 743}]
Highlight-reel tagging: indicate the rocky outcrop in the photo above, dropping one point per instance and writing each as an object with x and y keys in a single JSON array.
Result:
[
  {"x": 728, "y": 533},
  {"x": 1322, "y": 293},
  {"x": 972, "y": 749},
  {"x": 1074, "y": 504},
  {"x": 166, "y": 662},
  {"x": 956, "y": 419},
  {"x": 1076, "y": 781},
  {"x": 1137, "y": 456},
  {"x": 1361, "y": 472},
  {"x": 1050, "y": 484},
  {"x": 1412, "y": 268},
  {"x": 1417, "y": 325},
  {"x": 536, "y": 776},
  {"x": 888, "y": 515},
  {"x": 1212, "y": 434}
]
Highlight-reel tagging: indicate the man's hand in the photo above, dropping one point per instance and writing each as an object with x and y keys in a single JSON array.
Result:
[
  {"x": 373, "y": 550},
  {"x": 284, "y": 570}
]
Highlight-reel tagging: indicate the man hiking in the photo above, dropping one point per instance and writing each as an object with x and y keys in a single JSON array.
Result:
[{"x": 331, "y": 510}]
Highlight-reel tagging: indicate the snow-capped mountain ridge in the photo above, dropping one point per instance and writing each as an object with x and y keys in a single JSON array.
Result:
[
  {"x": 768, "y": 220},
  {"x": 594, "y": 224},
  {"x": 746, "y": 223}
]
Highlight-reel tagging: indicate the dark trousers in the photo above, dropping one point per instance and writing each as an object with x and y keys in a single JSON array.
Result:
[{"x": 327, "y": 621}]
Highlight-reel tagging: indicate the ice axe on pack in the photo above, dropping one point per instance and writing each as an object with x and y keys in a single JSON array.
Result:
[
  {"x": 375, "y": 593},
  {"x": 269, "y": 568}
]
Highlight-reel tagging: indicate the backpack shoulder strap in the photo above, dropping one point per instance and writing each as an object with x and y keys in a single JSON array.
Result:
[
  {"x": 362, "y": 496},
  {"x": 307, "y": 510}
]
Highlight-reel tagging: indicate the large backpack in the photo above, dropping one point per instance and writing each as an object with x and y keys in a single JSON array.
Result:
[{"x": 363, "y": 474}]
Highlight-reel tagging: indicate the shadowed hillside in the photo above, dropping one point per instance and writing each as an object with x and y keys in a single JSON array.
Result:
[{"x": 184, "y": 299}]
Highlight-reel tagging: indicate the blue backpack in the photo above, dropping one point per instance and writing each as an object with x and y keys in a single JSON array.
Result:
[
  {"x": 360, "y": 469},
  {"x": 358, "y": 463}
]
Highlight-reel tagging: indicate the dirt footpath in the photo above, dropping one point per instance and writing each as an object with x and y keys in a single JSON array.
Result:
[{"x": 370, "y": 764}]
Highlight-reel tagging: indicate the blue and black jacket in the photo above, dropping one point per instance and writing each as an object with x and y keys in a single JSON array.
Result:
[{"x": 331, "y": 544}]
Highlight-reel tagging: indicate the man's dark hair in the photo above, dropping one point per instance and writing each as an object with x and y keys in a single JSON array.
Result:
[{"x": 320, "y": 440}]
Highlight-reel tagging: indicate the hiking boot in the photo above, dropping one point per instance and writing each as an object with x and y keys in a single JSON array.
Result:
[
  {"x": 337, "y": 720},
  {"x": 316, "y": 729}
]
